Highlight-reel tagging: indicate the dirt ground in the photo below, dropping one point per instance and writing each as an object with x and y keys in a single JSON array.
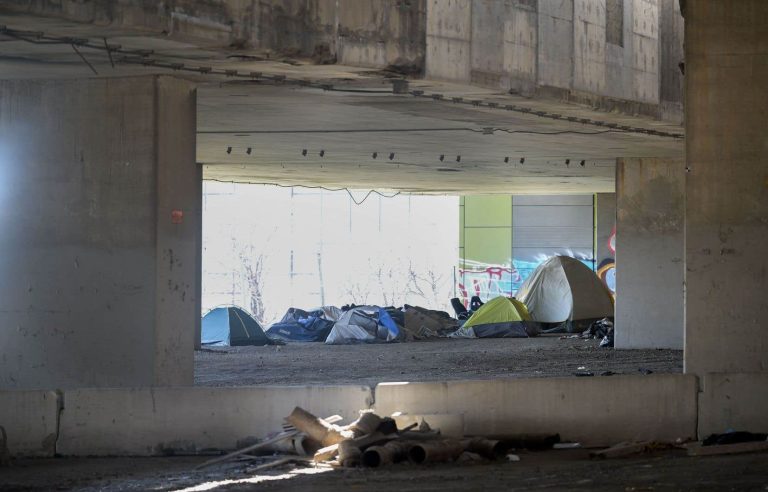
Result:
[
  {"x": 443, "y": 359},
  {"x": 549, "y": 470}
]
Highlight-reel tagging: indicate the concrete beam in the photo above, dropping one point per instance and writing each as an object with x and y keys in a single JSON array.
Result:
[
  {"x": 161, "y": 421},
  {"x": 649, "y": 253},
  {"x": 30, "y": 420},
  {"x": 595, "y": 411}
]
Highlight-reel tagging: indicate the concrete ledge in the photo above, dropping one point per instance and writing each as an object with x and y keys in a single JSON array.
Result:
[
  {"x": 737, "y": 401},
  {"x": 30, "y": 421},
  {"x": 156, "y": 421},
  {"x": 597, "y": 410}
]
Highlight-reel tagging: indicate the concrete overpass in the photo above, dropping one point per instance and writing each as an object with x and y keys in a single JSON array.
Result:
[{"x": 103, "y": 166}]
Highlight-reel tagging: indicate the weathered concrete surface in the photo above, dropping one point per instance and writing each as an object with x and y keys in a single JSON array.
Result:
[
  {"x": 30, "y": 421},
  {"x": 448, "y": 39},
  {"x": 99, "y": 286},
  {"x": 727, "y": 187},
  {"x": 382, "y": 33},
  {"x": 372, "y": 33},
  {"x": 733, "y": 401},
  {"x": 563, "y": 48},
  {"x": 614, "y": 54},
  {"x": 649, "y": 253},
  {"x": 594, "y": 411},
  {"x": 157, "y": 421}
]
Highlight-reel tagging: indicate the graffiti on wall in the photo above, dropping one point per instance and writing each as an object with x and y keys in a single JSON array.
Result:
[
  {"x": 489, "y": 281},
  {"x": 607, "y": 268}
]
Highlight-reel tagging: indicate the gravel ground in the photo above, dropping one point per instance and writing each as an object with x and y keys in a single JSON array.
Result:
[
  {"x": 443, "y": 359},
  {"x": 549, "y": 470}
]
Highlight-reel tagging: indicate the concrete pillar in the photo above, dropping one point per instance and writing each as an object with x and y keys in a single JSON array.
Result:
[
  {"x": 726, "y": 76},
  {"x": 605, "y": 238},
  {"x": 649, "y": 253},
  {"x": 100, "y": 207}
]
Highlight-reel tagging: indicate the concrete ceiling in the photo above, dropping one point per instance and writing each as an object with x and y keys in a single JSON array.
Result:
[{"x": 277, "y": 122}]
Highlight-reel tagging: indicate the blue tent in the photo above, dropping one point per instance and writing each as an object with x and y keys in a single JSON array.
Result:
[
  {"x": 230, "y": 326},
  {"x": 301, "y": 326}
]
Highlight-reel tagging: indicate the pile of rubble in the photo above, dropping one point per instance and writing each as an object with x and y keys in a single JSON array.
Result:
[{"x": 375, "y": 441}]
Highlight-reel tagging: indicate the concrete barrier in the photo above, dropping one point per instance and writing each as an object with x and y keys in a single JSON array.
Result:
[
  {"x": 737, "y": 401},
  {"x": 595, "y": 411},
  {"x": 157, "y": 421},
  {"x": 30, "y": 421}
]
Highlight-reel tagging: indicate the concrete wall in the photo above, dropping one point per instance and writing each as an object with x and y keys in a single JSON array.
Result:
[
  {"x": 733, "y": 401},
  {"x": 30, "y": 420},
  {"x": 161, "y": 421},
  {"x": 649, "y": 253},
  {"x": 593, "y": 411},
  {"x": 373, "y": 33},
  {"x": 726, "y": 188},
  {"x": 190, "y": 420},
  {"x": 613, "y": 54},
  {"x": 100, "y": 287},
  {"x": 563, "y": 49}
]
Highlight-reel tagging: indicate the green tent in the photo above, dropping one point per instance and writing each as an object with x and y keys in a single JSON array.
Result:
[{"x": 501, "y": 317}]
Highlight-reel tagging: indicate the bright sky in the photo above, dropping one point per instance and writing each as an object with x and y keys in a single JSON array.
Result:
[{"x": 318, "y": 247}]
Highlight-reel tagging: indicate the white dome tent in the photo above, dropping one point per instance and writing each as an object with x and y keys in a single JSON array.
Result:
[{"x": 563, "y": 289}]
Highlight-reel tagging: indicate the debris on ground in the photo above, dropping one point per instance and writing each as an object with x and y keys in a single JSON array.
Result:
[
  {"x": 624, "y": 449},
  {"x": 733, "y": 442},
  {"x": 373, "y": 441},
  {"x": 601, "y": 329}
]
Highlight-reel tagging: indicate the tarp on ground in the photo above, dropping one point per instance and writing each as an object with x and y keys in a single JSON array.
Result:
[
  {"x": 565, "y": 289},
  {"x": 421, "y": 323},
  {"x": 501, "y": 317},
  {"x": 365, "y": 324},
  {"x": 231, "y": 326},
  {"x": 302, "y": 326}
]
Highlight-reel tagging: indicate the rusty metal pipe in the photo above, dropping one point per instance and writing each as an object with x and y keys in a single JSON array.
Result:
[
  {"x": 349, "y": 454},
  {"x": 486, "y": 448},
  {"x": 391, "y": 452},
  {"x": 435, "y": 451}
]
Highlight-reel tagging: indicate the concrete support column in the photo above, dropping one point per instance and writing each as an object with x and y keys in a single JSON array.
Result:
[
  {"x": 100, "y": 208},
  {"x": 726, "y": 309},
  {"x": 649, "y": 253},
  {"x": 727, "y": 187}
]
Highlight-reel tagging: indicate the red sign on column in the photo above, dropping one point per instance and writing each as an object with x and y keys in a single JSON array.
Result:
[{"x": 177, "y": 216}]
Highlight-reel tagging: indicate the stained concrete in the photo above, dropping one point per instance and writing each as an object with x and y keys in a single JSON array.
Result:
[
  {"x": 30, "y": 420},
  {"x": 562, "y": 49},
  {"x": 158, "y": 421},
  {"x": 733, "y": 401},
  {"x": 545, "y": 48},
  {"x": 99, "y": 284},
  {"x": 649, "y": 253},
  {"x": 374, "y": 33},
  {"x": 278, "y": 124},
  {"x": 179, "y": 420},
  {"x": 727, "y": 187},
  {"x": 594, "y": 411},
  {"x": 236, "y": 106}
]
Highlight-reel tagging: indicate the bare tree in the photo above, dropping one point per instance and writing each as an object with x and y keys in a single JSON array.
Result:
[
  {"x": 253, "y": 265},
  {"x": 426, "y": 285}
]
